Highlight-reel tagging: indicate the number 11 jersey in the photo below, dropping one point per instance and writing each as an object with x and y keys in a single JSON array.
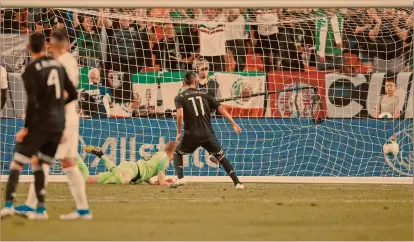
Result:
[{"x": 197, "y": 106}]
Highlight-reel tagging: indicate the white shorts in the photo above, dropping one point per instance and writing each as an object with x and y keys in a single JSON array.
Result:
[{"x": 68, "y": 148}]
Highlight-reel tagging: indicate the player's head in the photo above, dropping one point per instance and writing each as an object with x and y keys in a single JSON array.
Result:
[
  {"x": 201, "y": 67},
  {"x": 390, "y": 85},
  {"x": 190, "y": 79},
  {"x": 170, "y": 148},
  {"x": 59, "y": 42},
  {"x": 37, "y": 44}
]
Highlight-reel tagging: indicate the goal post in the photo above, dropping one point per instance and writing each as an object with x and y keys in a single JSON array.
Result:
[{"x": 306, "y": 81}]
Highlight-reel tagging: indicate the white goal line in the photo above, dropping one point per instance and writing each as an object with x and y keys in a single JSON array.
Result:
[{"x": 266, "y": 179}]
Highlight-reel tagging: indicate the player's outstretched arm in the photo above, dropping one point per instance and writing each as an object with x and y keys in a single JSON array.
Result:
[
  {"x": 161, "y": 179},
  {"x": 226, "y": 114}
]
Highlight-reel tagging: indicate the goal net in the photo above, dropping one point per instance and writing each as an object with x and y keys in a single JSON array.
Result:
[{"x": 306, "y": 85}]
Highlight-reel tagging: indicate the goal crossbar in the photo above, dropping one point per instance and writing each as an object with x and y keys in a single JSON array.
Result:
[{"x": 204, "y": 4}]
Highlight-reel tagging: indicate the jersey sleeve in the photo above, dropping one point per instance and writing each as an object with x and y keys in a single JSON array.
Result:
[
  {"x": 70, "y": 88},
  {"x": 178, "y": 102},
  {"x": 212, "y": 102},
  {"x": 28, "y": 76}
]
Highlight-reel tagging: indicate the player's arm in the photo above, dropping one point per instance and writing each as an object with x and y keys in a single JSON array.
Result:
[
  {"x": 70, "y": 89},
  {"x": 217, "y": 106},
  {"x": 3, "y": 95},
  {"x": 29, "y": 76},
  {"x": 180, "y": 116},
  {"x": 3, "y": 87}
]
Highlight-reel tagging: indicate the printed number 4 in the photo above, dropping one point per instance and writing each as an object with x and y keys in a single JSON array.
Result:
[
  {"x": 53, "y": 80},
  {"x": 195, "y": 106}
]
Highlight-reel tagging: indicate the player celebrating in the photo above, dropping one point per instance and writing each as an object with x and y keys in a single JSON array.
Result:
[
  {"x": 68, "y": 148},
  {"x": 45, "y": 81},
  {"x": 130, "y": 172},
  {"x": 194, "y": 108}
]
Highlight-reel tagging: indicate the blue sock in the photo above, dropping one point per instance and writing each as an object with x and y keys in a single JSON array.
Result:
[
  {"x": 8, "y": 204},
  {"x": 83, "y": 212}
]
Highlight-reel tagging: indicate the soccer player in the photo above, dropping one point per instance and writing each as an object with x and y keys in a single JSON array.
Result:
[
  {"x": 46, "y": 84},
  {"x": 130, "y": 172},
  {"x": 3, "y": 87},
  {"x": 389, "y": 103},
  {"x": 68, "y": 148},
  {"x": 193, "y": 109}
]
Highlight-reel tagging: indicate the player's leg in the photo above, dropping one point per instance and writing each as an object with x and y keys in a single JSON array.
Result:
[
  {"x": 23, "y": 153},
  {"x": 67, "y": 153},
  {"x": 99, "y": 153},
  {"x": 214, "y": 148},
  {"x": 31, "y": 202},
  {"x": 186, "y": 146},
  {"x": 83, "y": 168}
]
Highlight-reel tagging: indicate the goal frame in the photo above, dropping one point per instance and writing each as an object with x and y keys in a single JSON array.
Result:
[
  {"x": 206, "y": 3},
  {"x": 227, "y": 4}
]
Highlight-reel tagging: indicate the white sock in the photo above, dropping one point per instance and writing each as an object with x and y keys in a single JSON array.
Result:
[
  {"x": 31, "y": 200},
  {"x": 77, "y": 187}
]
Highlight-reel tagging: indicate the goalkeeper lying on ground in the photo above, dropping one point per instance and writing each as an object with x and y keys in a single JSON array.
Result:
[
  {"x": 125, "y": 173},
  {"x": 130, "y": 172}
]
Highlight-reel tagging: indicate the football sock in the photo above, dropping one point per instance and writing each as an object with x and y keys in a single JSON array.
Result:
[
  {"x": 77, "y": 186},
  {"x": 39, "y": 185},
  {"x": 31, "y": 200},
  {"x": 178, "y": 165},
  {"x": 108, "y": 163},
  {"x": 229, "y": 170},
  {"x": 83, "y": 168},
  {"x": 11, "y": 185}
]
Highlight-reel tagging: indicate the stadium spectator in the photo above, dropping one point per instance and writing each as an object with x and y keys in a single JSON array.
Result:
[
  {"x": 93, "y": 94},
  {"x": 212, "y": 38},
  {"x": 329, "y": 40},
  {"x": 291, "y": 43},
  {"x": 88, "y": 34},
  {"x": 406, "y": 35},
  {"x": 14, "y": 20},
  {"x": 387, "y": 43},
  {"x": 267, "y": 37},
  {"x": 127, "y": 46},
  {"x": 237, "y": 32},
  {"x": 3, "y": 87}
]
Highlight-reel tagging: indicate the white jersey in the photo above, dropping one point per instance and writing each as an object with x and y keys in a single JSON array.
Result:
[
  {"x": 71, "y": 66},
  {"x": 3, "y": 78}
]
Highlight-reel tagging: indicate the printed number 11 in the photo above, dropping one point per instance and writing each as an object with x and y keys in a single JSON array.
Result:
[{"x": 195, "y": 106}]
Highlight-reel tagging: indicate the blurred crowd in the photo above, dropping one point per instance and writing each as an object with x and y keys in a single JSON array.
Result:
[{"x": 116, "y": 43}]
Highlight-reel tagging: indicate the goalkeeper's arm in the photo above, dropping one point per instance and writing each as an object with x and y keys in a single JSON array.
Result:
[{"x": 160, "y": 180}]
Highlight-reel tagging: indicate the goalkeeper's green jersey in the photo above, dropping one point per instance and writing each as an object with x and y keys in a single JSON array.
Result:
[{"x": 151, "y": 166}]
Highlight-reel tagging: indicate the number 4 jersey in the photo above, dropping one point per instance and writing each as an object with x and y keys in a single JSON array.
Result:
[
  {"x": 197, "y": 106},
  {"x": 44, "y": 80}
]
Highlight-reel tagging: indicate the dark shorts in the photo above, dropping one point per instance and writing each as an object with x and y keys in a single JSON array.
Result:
[
  {"x": 188, "y": 145},
  {"x": 41, "y": 143}
]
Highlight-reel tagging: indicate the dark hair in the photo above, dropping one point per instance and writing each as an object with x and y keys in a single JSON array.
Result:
[
  {"x": 59, "y": 35},
  {"x": 188, "y": 78},
  {"x": 391, "y": 77},
  {"x": 37, "y": 42}
]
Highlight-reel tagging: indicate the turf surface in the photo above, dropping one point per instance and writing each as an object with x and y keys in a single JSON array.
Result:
[{"x": 212, "y": 211}]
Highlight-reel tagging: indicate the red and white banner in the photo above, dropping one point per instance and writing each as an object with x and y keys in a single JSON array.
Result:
[{"x": 296, "y": 91}]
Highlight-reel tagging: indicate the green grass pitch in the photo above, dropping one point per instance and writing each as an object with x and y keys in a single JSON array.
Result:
[{"x": 216, "y": 211}]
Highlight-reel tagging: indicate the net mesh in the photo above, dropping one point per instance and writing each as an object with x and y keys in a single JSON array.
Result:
[{"x": 306, "y": 85}]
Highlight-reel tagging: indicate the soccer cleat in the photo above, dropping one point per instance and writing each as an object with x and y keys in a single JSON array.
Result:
[
  {"x": 8, "y": 210},
  {"x": 177, "y": 183},
  {"x": 79, "y": 214},
  {"x": 39, "y": 214},
  {"x": 23, "y": 210},
  {"x": 240, "y": 186},
  {"x": 94, "y": 150}
]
